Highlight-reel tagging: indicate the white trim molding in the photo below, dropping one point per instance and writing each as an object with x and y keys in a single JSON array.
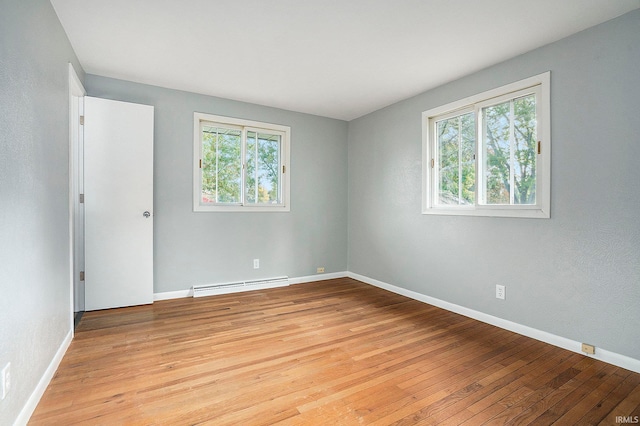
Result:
[
  {"x": 76, "y": 109},
  {"x": 295, "y": 280},
  {"x": 317, "y": 277},
  {"x": 539, "y": 87},
  {"x": 168, "y": 295},
  {"x": 559, "y": 341},
  {"x": 555, "y": 340},
  {"x": 601, "y": 354},
  {"x": 243, "y": 127},
  {"x": 36, "y": 395}
]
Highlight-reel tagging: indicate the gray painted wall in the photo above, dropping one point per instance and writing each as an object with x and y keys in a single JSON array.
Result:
[
  {"x": 35, "y": 292},
  {"x": 576, "y": 275},
  {"x": 202, "y": 248}
]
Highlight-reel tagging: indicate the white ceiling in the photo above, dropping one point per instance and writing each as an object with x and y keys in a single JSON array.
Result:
[{"x": 334, "y": 58}]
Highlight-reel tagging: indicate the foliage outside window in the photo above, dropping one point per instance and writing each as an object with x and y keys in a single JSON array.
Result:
[
  {"x": 488, "y": 155},
  {"x": 240, "y": 165}
]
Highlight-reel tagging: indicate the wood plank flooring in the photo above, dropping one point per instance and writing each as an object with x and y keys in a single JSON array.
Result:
[{"x": 336, "y": 352}]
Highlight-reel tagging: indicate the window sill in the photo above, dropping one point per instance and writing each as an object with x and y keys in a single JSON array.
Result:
[
  {"x": 528, "y": 213},
  {"x": 241, "y": 209}
]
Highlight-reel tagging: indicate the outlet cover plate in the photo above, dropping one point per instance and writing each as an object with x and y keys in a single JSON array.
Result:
[
  {"x": 500, "y": 291},
  {"x": 588, "y": 349}
]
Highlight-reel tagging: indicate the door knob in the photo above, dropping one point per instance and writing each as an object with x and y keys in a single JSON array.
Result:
[{"x": 146, "y": 214}]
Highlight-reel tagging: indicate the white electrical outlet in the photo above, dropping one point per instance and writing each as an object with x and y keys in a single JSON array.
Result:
[
  {"x": 500, "y": 291},
  {"x": 320, "y": 270},
  {"x": 256, "y": 263},
  {"x": 5, "y": 380}
]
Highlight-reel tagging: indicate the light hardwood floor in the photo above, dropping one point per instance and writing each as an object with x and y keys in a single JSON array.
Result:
[{"x": 336, "y": 352}]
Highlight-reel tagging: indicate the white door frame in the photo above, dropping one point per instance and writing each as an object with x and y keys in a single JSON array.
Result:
[{"x": 76, "y": 220}]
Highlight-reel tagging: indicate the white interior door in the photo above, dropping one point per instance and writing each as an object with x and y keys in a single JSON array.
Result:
[{"x": 118, "y": 188}]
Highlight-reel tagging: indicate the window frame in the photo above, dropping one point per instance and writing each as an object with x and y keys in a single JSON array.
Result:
[
  {"x": 200, "y": 119},
  {"x": 540, "y": 84}
]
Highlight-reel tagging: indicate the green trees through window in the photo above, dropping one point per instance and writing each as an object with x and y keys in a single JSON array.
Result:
[
  {"x": 263, "y": 168},
  {"x": 489, "y": 154},
  {"x": 456, "y": 159},
  {"x": 221, "y": 165},
  {"x": 508, "y": 149},
  {"x": 509, "y": 146},
  {"x": 239, "y": 163}
]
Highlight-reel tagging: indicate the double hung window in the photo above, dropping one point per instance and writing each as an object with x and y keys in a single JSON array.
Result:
[
  {"x": 489, "y": 155},
  {"x": 240, "y": 165}
]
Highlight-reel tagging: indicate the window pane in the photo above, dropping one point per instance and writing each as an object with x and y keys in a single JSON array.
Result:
[
  {"x": 468, "y": 159},
  {"x": 497, "y": 153},
  {"x": 525, "y": 140},
  {"x": 509, "y": 144},
  {"x": 263, "y": 168},
  {"x": 456, "y": 161},
  {"x": 221, "y": 165}
]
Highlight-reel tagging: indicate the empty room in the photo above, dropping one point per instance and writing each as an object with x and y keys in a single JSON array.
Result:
[{"x": 357, "y": 212}]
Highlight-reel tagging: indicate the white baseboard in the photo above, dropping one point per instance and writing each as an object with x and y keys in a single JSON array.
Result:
[
  {"x": 317, "y": 277},
  {"x": 562, "y": 342},
  {"x": 36, "y": 395},
  {"x": 173, "y": 295},
  {"x": 295, "y": 280}
]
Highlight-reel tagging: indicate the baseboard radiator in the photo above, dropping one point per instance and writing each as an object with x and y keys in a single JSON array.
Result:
[{"x": 201, "y": 290}]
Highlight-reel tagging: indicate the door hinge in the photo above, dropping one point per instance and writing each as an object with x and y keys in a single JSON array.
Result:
[
  {"x": 81, "y": 275},
  {"x": 284, "y": 169},
  {"x": 81, "y": 198},
  {"x": 433, "y": 163},
  {"x": 539, "y": 147},
  {"x": 82, "y": 120},
  {"x": 200, "y": 163}
]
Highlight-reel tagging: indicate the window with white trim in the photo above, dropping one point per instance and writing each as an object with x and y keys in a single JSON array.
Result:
[
  {"x": 489, "y": 154},
  {"x": 240, "y": 165}
]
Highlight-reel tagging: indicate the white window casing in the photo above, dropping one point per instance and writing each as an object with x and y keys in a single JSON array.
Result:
[
  {"x": 539, "y": 86},
  {"x": 248, "y": 132}
]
